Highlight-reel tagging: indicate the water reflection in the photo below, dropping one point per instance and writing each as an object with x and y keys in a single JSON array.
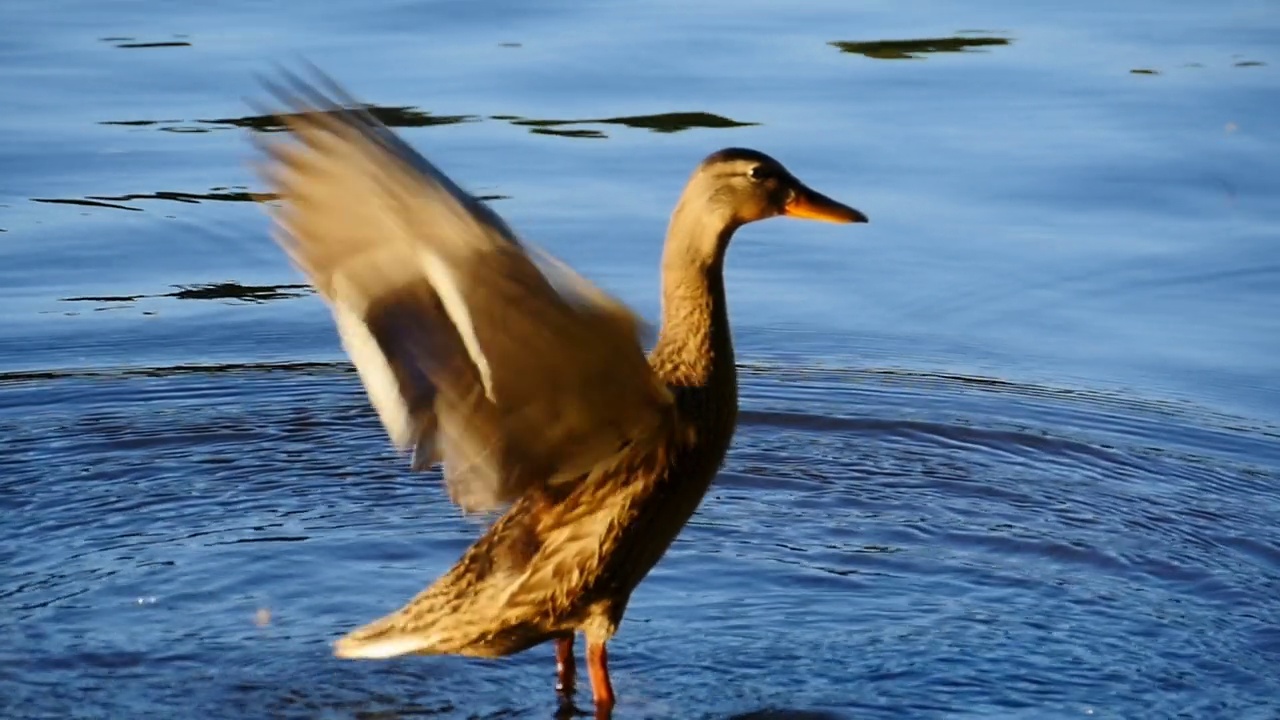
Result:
[
  {"x": 1196, "y": 65},
  {"x": 130, "y": 43},
  {"x": 223, "y": 194},
  {"x": 783, "y": 714},
  {"x": 568, "y": 709},
  {"x": 390, "y": 116},
  {"x": 217, "y": 194},
  {"x": 125, "y": 373},
  {"x": 84, "y": 202},
  {"x": 407, "y": 116},
  {"x": 660, "y": 122},
  {"x": 238, "y": 193},
  {"x": 154, "y": 44},
  {"x": 917, "y": 49},
  {"x": 209, "y": 291}
]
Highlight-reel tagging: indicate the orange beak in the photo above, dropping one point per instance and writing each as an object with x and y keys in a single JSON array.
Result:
[{"x": 813, "y": 205}]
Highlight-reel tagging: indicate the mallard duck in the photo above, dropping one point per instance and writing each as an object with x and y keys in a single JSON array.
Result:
[{"x": 527, "y": 383}]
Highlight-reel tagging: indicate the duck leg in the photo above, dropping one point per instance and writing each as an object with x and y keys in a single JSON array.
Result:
[
  {"x": 598, "y": 669},
  {"x": 566, "y": 667}
]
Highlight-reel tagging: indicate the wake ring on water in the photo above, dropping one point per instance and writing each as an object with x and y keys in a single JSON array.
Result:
[{"x": 956, "y": 435}]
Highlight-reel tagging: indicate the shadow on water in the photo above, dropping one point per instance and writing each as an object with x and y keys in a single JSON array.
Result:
[{"x": 917, "y": 49}]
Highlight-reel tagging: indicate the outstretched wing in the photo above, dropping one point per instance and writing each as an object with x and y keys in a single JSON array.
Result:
[{"x": 477, "y": 352}]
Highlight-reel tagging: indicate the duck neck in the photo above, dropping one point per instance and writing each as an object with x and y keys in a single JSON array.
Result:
[{"x": 695, "y": 348}]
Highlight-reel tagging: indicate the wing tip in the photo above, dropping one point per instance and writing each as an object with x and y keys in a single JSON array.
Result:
[
  {"x": 386, "y": 637},
  {"x": 352, "y": 647}
]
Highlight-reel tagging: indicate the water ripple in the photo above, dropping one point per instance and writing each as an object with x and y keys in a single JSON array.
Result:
[{"x": 924, "y": 548}]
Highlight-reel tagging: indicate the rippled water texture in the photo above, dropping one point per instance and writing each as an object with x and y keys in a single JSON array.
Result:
[{"x": 1011, "y": 450}]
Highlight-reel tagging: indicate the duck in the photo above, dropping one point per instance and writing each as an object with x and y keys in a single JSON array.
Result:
[{"x": 525, "y": 384}]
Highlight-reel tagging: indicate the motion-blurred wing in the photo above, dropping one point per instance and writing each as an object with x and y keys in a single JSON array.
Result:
[{"x": 511, "y": 372}]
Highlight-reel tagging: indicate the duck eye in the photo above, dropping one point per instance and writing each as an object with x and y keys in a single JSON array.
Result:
[{"x": 761, "y": 172}]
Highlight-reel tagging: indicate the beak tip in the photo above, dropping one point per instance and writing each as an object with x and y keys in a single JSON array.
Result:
[{"x": 812, "y": 205}]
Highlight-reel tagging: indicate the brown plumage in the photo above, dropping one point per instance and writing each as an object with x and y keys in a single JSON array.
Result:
[{"x": 526, "y": 382}]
